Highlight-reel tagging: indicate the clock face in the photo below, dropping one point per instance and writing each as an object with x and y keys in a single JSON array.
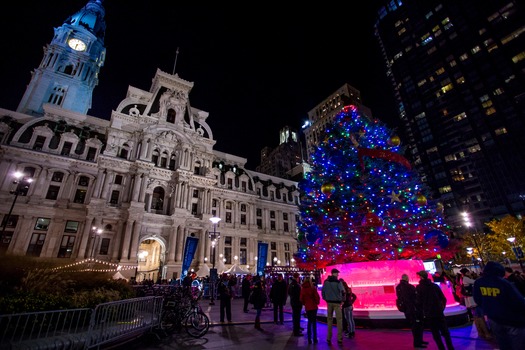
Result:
[{"x": 76, "y": 44}]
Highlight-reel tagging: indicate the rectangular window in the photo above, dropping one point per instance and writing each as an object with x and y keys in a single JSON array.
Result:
[
  {"x": 272, "y": 214},
  {"x": 66, "y": 149},
  {"x": 195, "y": 193},
  {"x": 243, "y": 219},
  {"x": 285, "y": 227},
  {"x": 52, "y": 192},
  {"x": 92, "y": 152},
  {"x": 272, "y": 225},
  {"x": 243, "y": 242},
  {"x": 259, "y": 224},
  {"x": 35, "y": 244},
  {"x": 118, "y": 179},
  {"x": 228, "y": 255},
  {"x": 71, "y": 226},
  {"x": 11, "y": 223},
  {"x": 39, "y": 143},
  {"x": 273, "y": 246},
  {"x": 66, "y": 246},
  {"x": 230, "y": 184},
  {"x": 5, "y": 240},
  {"x": 114, "y": 197},
  {"x": 228, "y": 217},
  {"x": 259, "y": 212},
  {"x": 287, "y": 247},
  {"x": 228, "y": 240},
  {"x": 285, "y": 216},
  {"x": 243, "y": 256},
  {"x": 194, "y": 207},
  {"x": 104, "y": 246},
  {"x": 80, "y": 196},
  {"x": 42, "y": 224}
]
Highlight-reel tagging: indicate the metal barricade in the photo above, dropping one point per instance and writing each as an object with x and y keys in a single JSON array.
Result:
[
  {"x": 108, "y": 323},
  {"x": 114, "y": 321},
  {"x": 61, "y": 329}
]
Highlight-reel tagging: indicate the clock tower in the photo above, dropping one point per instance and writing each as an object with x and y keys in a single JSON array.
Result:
[{"x": 68, "y": 73}]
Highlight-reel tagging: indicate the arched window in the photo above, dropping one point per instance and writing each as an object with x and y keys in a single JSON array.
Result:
[
  {"x": 157, "y": 201},
  {"x": 164, "y": 159},
  {"x": 172, "y": 162},
  {"x": 155, "y": 157}
]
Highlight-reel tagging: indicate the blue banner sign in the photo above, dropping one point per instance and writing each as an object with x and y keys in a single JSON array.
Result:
[
  {"x": 262, "y": 255},
  {"x": 189, "y": 253}
]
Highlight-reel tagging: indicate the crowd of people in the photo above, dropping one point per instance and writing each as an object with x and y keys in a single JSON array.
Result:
[{"x": 495, "y": 301}]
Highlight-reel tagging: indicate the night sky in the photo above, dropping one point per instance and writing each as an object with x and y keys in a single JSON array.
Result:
[{"x": 256, "y": 67}]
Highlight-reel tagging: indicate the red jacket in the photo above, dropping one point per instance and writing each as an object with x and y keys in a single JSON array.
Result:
[{"x": 309, "y": 296}]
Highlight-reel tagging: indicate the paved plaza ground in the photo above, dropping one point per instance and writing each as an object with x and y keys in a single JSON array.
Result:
[{"x": 240, "y": 334}]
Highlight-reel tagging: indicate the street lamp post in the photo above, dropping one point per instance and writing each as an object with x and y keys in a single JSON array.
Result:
[
  {"x": 468, "y": 223},
  {"x": 22, "y": 185},
  {"x": 517, "y": 251},
  {"x": 214, "y": 236}
]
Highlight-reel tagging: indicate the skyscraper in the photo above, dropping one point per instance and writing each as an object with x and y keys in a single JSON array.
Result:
[{"x": 458, "y": 73}]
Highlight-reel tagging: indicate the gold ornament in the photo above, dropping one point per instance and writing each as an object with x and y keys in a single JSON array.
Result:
[
  {"x": 421, "y": 200},
  {"x": 328, "y": 188},
  {"x": 394, "y": 141}
]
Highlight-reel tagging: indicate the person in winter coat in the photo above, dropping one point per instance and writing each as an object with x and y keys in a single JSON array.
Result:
[
  {"x": 474, "y": 311},
  {"x": 258, "y": 299},
  {"x": 504, "y": 306},
  {"x": 333, "y": 293},
  {"x": 246, "y": 289},
  {"x": 431, "y": 301},
  {"x": 406, "y": 294},
  {"x": 278, "y": 295},
  {"x": 294, "y": 291},
  {"x": 348, "y": 310},
  {"x": 225, "y": 298},
  {"x": 310, "y": 299}
]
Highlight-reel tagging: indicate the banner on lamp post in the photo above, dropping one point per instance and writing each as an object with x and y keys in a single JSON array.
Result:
[
  {"x": 189, "y": 252},
  {"x": 262, "y": 255}
]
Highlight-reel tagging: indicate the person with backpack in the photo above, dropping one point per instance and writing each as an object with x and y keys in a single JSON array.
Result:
[{"x": 348, "y": 310}]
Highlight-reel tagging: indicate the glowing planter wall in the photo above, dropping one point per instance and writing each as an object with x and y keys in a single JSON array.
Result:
[{"x": 374, "y": 283}]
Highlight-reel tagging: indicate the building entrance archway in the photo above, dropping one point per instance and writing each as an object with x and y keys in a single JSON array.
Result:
[{"x": 150, "y": 260}]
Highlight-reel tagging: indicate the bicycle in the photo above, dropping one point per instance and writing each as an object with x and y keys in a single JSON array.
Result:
[{"x": 185, "y": 312}]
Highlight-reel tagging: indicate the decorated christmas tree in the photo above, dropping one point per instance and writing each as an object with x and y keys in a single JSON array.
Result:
[{"x": 363, "y": 201}]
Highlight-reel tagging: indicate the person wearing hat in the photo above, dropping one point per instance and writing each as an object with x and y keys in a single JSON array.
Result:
[
  {"x": 431, "y": 302},
  {"x": 333, "y": 293},
  {"x": 504, "y": 306}
]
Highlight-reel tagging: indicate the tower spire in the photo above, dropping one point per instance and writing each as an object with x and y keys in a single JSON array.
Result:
[{"x": 175, "y": 63}]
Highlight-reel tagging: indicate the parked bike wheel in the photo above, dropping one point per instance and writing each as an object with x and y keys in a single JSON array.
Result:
[{"x": 197, "y": 324}]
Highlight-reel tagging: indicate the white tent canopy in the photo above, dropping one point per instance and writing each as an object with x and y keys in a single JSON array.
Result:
[
  {"x": 118, "y": 276},
  {"x": 238, "y": 270},
  {"x": 204, "y": 271}
]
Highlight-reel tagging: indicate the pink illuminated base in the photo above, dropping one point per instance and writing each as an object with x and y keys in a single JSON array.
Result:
[{"x": 375, "y": 282}]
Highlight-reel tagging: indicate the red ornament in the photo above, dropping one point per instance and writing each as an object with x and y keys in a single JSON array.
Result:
[{"x": 372, "y": 220}]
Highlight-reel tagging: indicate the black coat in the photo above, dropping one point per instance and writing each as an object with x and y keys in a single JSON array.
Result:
[
  {"x": 406, "y": 293},
  {"x": 294, "y": 291},
  {"x": 246, "y": 287},
  {"x": 430, "y": 299},
  {"x": 278, "y": 293}
]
